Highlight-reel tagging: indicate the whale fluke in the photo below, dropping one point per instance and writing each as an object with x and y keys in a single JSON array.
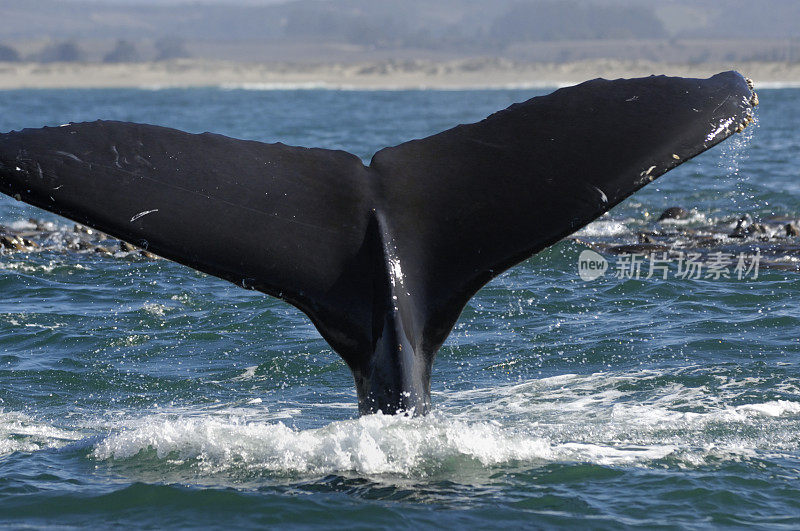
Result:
[{"x": 381, "y": 258}]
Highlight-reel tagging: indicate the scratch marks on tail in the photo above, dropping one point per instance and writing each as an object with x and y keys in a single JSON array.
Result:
[{"x": 143, "y": 214}]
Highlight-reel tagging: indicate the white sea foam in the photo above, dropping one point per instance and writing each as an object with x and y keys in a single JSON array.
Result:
[
  {"x": 248, "y": 374},
  {"x": 21, "y": 433},
  {"x": 323, "y": 85},
  {"x": 570, "y": 418},
  {"x": 306, "y": 85},
  {"x": 771, "y": 409},
  {"x": 21, "y": 224},
  {"x": 155, "y": 309},
  {"x": 375, "y": 444},
  {"x": 770, "y": 85},
  {"x": 32, "y": 267},
  {"x": 27, "y": 267},
  {"x": 604, "y": 227}
]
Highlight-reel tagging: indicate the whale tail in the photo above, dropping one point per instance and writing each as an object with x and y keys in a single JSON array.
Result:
[{"x": 381, "y": 258}]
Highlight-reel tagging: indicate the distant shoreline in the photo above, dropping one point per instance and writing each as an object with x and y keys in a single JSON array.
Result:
[{"x": 481, "y": 73}]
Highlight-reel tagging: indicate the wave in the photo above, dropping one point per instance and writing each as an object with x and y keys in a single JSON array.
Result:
[
  {"x": 593, "y": 419},
  {"x": 323, "y": 85},
  {"x": 21, "y": 433},
  {"x": 773, "y": 85}
]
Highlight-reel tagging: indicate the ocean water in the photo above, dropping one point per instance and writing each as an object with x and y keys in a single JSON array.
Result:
[{"x": 141, "y": 393}]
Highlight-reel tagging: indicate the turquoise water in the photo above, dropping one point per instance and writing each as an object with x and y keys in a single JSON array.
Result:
[{"x": 141, "y": 393}]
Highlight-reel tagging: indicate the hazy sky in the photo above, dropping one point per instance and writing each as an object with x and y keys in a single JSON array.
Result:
[{"x": 173, "y": 2}]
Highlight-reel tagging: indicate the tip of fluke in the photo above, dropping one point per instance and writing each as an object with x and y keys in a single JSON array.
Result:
[{"x": 384, "y": 258}]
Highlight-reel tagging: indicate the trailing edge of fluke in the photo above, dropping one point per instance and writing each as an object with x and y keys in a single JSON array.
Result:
[{"x": 381, "y": 258}]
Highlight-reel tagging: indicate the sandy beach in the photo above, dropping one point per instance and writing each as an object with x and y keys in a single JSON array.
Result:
[{"x": 387, "y": 75}]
